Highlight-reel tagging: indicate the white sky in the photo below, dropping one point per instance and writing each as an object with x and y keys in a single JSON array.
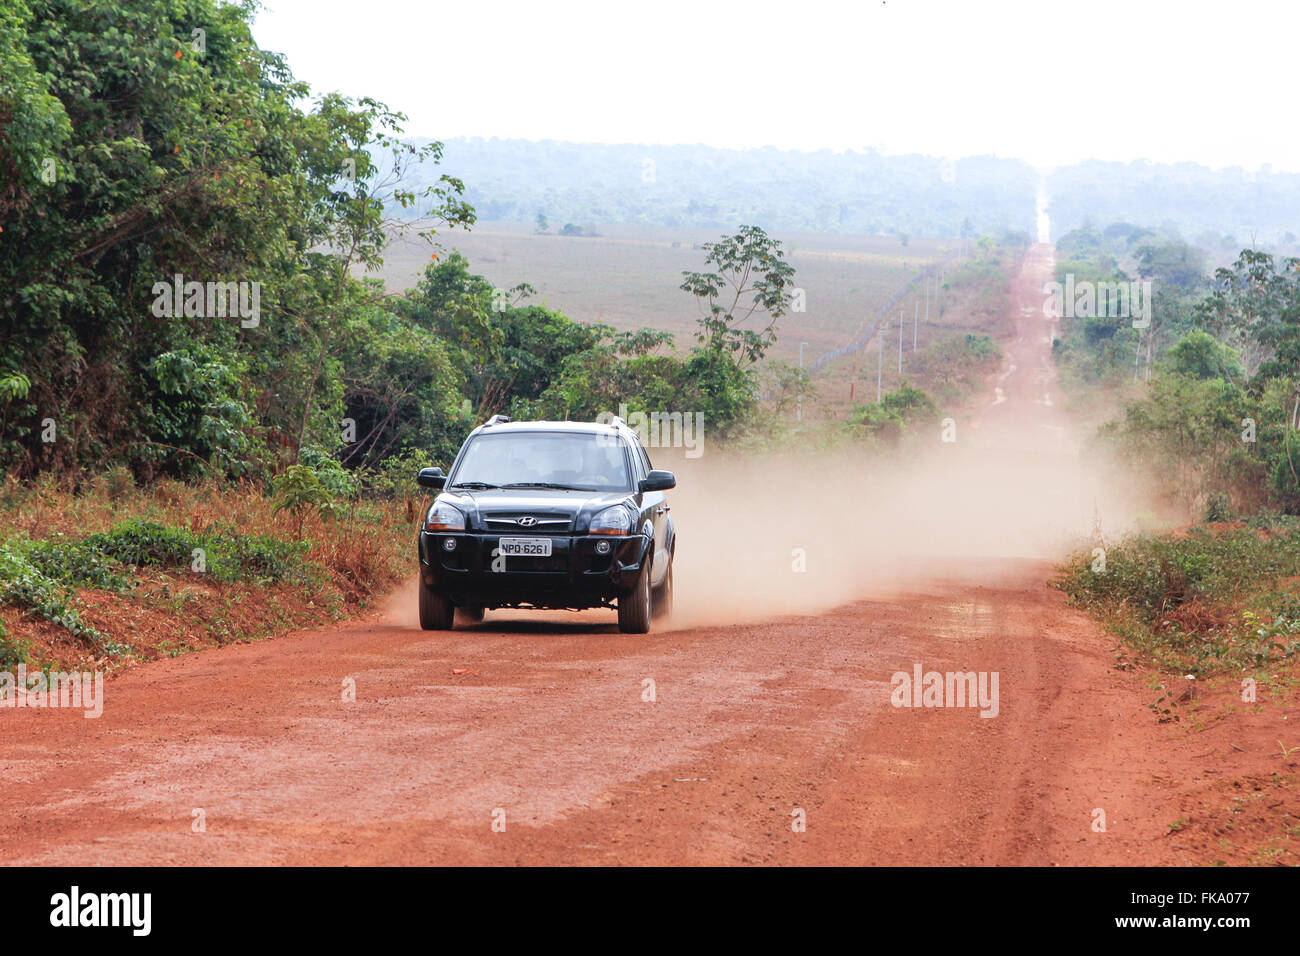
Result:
[{"x": 1047, "y": 81}]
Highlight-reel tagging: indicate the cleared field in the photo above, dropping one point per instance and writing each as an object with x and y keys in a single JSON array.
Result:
[{"x": 629, "y": 277}]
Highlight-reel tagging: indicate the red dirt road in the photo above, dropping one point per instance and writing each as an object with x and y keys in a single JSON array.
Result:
[
  {"x": 548, "y": 730},
  {"x": 749, "y": 723}
]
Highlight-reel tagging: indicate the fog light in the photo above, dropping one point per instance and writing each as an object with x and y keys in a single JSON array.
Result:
[
  {"x": 449, "y": 544},
  {"x": 602, "y": 547}
]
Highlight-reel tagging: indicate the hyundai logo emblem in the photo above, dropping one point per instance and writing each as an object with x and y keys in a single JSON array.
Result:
[{"x": 527, "y": 521}]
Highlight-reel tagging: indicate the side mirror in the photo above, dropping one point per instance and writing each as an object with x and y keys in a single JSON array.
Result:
[
  {"x": 658, "y": 481},
  {"x": 431, "y": 478}
]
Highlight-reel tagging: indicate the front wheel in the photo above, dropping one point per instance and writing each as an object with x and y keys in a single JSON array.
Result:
[
  {"x": 435, "y": 610},
  {"x": 634, "y": 610}
]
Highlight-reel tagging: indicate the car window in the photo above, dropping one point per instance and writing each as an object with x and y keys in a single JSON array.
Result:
[
  {"x": 645, "y": 458},
  {"x": 573, "y": 459}
]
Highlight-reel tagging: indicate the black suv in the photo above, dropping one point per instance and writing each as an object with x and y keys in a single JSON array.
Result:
[{"x": 548, "y": 515}]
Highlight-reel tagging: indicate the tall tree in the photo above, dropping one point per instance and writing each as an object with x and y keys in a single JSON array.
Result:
[
  {"x": 144, "y": 141},
  {"x": 750, "y": 276}
]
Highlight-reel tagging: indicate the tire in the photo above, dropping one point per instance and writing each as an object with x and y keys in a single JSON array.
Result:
[
  {"x": 634, "y": 610},
  {"x": 435, "y": 610},
  {"x": 663, "y": 595},
  {"x": 470, "y": 615}
]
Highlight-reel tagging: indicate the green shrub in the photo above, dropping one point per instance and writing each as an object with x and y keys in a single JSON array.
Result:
[
  {"x": 146, "y": 543},
  {"x": 225, "y": 555},
  {"x": 1218, "y": 507},
  {"x": 23, "y": 585},
  {"x": 331, "y": 474},
  {"x": 899, "y": 412},
  {"x": 79, "y": 563},
  {"x": 394, "y": 479},
  {"x": 1200, "y": 601},
  {"x": 264, "y": 557},
  {"x": 299, "y": 490},
  {"x": 12, "y": 652}
]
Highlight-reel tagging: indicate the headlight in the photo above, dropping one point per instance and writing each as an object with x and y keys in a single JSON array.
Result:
[
  {"x": 614, "y": 520},
  {"x": 444, "y": 517}
]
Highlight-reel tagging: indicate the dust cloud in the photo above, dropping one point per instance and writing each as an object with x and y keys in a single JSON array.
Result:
[{"x": 805, "y": 533}]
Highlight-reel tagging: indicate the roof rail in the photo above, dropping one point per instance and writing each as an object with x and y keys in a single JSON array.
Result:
[
  {"x": 614, "y": 421},
  {"x": 496, "y": 420}
]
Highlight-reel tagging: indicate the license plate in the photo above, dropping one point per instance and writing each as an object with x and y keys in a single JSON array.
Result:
[{"x": 526, "y": 547}]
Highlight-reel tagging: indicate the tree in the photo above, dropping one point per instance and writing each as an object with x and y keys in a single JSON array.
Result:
[
  {"x": 506, "y": 352},
  {"x": 299, "y": 490},
  {"x": 1255, "y": 308},
  {"x": 130, "y": 153},
  {"x": 1199, "y": 356},
  {"x": 1188, "y": 430},
  {"x": 351, "y": 222},
  {"x": 749, "y": 266},
  {"x": 401, "y": 389},
  {"x": 1172, "y": 264}
]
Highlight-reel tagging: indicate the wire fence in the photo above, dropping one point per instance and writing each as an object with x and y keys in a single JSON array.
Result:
[{"x": 861, "y": 341}]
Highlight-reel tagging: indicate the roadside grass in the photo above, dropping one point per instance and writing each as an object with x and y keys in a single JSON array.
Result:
[
  {"x": 110, "y": 573},
  {"x": 1213, "y": 599}
]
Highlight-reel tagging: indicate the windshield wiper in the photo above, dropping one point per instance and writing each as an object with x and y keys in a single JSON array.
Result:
[
  {"x": 475, "y": 485},
  {"x": 544, "y": 484}
]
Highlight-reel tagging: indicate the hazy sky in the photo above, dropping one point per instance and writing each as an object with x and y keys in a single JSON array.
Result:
[{"x": 1050, "y": 82}]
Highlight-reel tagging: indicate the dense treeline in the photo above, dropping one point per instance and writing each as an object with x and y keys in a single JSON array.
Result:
[
  {"x": 865, "y": 192},
  {"x": 1219, "y": 208},
  {"x": 178, "y": 237},
  {"x": 182, "y": 272},
  {"x": 579, "y": 184},
  {"x": 1212, "y": 377},
  {"x": 1105, "y": 348}
]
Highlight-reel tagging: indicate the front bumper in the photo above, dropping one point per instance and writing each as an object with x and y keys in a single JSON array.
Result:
[{"x": 576, "y": 575}]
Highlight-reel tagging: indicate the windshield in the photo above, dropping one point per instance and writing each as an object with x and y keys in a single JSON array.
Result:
[{"x": 576, "y": 460}]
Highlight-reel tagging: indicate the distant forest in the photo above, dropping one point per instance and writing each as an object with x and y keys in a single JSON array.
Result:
[
  {"x": 555, "y": 184},
  {"x": 862, "y": 193},
  {"x": 1228, "y": 208}
]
